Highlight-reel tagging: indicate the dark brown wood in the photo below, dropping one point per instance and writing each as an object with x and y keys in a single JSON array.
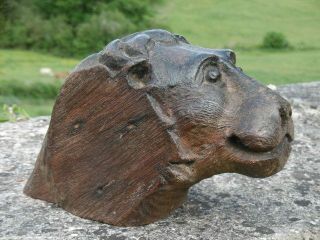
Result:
[{"x": 138, "y": 123}]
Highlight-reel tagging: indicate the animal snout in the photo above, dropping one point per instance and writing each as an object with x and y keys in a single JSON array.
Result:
[{"x": 262, "y": 128}]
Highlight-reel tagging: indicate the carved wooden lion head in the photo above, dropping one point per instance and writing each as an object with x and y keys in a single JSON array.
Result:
[{"x": 138, "y": 123}]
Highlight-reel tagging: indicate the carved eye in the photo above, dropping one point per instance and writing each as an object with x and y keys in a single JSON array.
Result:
[{"x": 212, "y": 74}]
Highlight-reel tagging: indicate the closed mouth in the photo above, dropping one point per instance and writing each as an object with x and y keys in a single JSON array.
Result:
[
  {"x": 259, "y": 164},
  {"x": 243, "y": 152},
  {"x": 236, "y": 142}
]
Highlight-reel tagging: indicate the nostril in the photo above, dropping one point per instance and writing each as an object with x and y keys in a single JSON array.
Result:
[
  {"x": 284, "y": 115},
  {"x": 289, "y": 137},
  {"x": 236, "y": 141}
]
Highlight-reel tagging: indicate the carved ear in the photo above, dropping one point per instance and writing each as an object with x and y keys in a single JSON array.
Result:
[
  {"x": 227, "y": 54},
  {"x": 120, "y": 56},
  {"x": 139, "y": 75}
]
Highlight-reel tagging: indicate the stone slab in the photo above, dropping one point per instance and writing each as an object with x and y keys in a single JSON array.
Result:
[{"x": 228, "y": 206}]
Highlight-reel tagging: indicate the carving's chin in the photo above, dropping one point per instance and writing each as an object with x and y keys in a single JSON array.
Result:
[
  {"x": 257, "y": 164},
  {"x": 180, "y": 175}
]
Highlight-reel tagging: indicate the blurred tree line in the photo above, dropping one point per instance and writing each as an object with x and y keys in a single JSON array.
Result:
[{"x": 71, "y": 27}]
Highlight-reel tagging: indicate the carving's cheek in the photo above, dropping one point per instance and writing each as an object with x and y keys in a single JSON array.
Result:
[
  {"x": 198, "y": 128},
  {"x": 198, "y": 148},
  {"x": 202, "y": 105},
  {"x": 196, "y": 131},
  {"x": 202, "y": 140}
]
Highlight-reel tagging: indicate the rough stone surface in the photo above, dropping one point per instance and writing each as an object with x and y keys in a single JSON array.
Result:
[{"x": 228, "y": 206}]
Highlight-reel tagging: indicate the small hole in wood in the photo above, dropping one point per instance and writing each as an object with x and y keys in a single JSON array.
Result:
[
  {"x": 99, "y": 190},
  {"x": 76, "y": 126}
]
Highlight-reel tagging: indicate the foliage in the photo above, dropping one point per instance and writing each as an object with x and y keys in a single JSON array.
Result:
[
  {"x": 103, "y": 30},
  {"x": 12, "y": 113},
  {"x": 275, "y": 40},
  {"x": 71, "y": 27}
]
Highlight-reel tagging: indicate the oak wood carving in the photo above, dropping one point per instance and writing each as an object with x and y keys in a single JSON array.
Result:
[{"x": 138, "y": 123}]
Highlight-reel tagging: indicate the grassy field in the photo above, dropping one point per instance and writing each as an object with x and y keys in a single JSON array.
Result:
[
  {"x": 239, "y": 25},
  {"x": 22, "y": 84},
  {"x": 234, "y": 23},
  {"x": 281, "y": 67}
]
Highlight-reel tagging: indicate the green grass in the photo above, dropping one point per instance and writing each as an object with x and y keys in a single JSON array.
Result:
[
  {"x": 232, "y": 23},
  {"x": 23, "y": 66},
  {"x": 241, "y": 25},
  {"x": 33, "y": 106},
  {"x": 21, "y": 82},
  {"x": 280, "y": 67}
]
